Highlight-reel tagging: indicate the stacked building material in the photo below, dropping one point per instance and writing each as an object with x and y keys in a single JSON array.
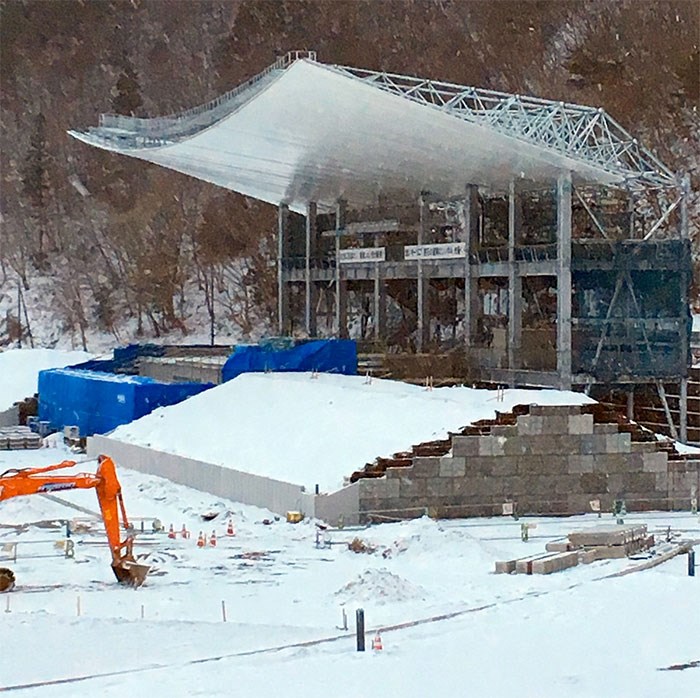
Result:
[
  {"x": 18, "y": 437},
  {"x": 585, "y": 546}
]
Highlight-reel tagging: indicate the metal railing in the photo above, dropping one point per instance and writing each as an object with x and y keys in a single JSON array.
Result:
[{"x": 137, "y": 126}]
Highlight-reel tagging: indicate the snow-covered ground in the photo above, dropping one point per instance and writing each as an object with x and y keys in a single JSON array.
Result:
[
  {"x": 569, "y": 634},
  {"x": 317, "y": 429},
  {"x": 19, "y": 370}
]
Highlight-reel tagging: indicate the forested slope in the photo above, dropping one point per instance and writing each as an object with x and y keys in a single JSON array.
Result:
[{"x": 104, "y": 242}]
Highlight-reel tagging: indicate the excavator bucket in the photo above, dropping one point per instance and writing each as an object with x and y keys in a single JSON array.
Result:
[
  {"x": 7, "y": 579},
  {"x": 130, "y": 572}
]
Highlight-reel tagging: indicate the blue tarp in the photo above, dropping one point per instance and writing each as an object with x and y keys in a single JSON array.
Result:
[
  {"x": 98, "y": 402},
  {"x": 323, "y": 355}
]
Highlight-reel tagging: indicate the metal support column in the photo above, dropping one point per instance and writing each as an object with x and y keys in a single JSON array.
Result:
[
  {"x": 282, "y": 285},
  {"x": 471, "y": 280},
  {"x": 564, "y": 280},
  {"x": 310, "y": 296},
  {"x": 341, "y": 309},
  {"x": 683, "y": 398},
  {"x": 514, "y": 285},
  {"x": 683, "y": 418},
  {"x": 630, "y": 404},
  {"x": 423, "y": 314}
]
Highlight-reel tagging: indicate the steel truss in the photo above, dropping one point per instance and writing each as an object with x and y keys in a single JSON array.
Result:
[{"x": 582, "y": 133}]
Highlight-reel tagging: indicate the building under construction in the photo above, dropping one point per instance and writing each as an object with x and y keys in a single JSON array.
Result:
[{"x": 503, "y": 239}]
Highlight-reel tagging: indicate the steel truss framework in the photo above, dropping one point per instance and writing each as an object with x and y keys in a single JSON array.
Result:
[
  {"x": 582, "y": 133},
  {"x": 585, "y": 134},
  {"x": 573, "y": 136}
]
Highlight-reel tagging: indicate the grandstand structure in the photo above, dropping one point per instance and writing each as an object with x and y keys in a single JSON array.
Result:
[{"x": 537, "y": 241}]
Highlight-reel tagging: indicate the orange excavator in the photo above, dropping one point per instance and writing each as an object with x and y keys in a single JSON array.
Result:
[{"x": 15, "y": 483}]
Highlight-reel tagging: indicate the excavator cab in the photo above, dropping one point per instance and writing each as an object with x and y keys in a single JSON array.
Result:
[{"x": 127, "y": 569}]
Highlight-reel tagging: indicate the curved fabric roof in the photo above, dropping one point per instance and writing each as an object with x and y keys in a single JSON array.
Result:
[{"x": 305, "y": 131}]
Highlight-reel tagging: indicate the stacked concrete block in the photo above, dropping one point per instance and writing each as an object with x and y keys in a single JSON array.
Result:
[
  {"x": 547, "y": 459},
  {"x": 556, "y": 562}
]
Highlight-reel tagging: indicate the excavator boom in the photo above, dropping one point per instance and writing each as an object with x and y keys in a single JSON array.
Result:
[{"x": 14, "y": 483}]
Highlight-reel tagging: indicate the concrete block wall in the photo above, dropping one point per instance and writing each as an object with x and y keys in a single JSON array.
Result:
[{"x": 553, "y": 460}]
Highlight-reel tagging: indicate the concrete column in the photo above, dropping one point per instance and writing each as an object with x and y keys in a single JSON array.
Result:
[
  {"x": 514, "y": 283},
  {"x": 282, "y": 285},
  {"x": 564, "y": 280},
  {"x": 341, "y": 316},
  {"x": 311, "y": 295},
  {"x": 471, "y": 280}
]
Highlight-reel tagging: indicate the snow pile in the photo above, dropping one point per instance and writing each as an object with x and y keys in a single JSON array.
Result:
[
  {"x": 379, "y": 586},
  {"x": 311, "y": 430},
  {"x": 19, "y": 370}
]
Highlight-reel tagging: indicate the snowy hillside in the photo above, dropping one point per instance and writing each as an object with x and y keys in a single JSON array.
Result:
[
  {"x": 19, "y": 370},
  {"x": 311, "y": 430}
]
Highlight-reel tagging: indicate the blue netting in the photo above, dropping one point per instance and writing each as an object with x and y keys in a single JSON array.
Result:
[
  {"x": 323, "y": 355},
  {"x": 98, "y": 402}
]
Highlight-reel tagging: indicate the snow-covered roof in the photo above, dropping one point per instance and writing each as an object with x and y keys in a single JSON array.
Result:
[{"x": 306, "y": 131}]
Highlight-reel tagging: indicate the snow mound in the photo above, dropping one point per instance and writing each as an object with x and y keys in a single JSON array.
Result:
[
  {"x": 19, "y": 370},
  {"x": 316, "y": 429},
  {"x": 379, "y": 586}
]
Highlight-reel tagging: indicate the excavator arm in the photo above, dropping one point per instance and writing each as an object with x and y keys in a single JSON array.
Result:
[{"x": 15, "y": 483}]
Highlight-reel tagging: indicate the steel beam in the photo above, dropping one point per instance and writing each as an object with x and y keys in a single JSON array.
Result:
[
  {"x": 514, "y": 282},
  {"x": 341, "y": 315},
  {"x": 422, "y": 302},
  {"x": 564, "y": 280},
  {"x": 470, "y": 224},
  {"x": 282, "y": 282},
  {"x": 310, "y": 285}
]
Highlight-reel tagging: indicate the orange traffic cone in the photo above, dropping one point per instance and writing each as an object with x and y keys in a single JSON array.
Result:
[
  {"x": 171, "y": 532},
  {"x": 230, "y": 530},
  {"x": 184, "y": 532},
  {"x": 201, "y": 541},
  {"x": 212, "y": 540},
  {"x": 377, "y": 642}
]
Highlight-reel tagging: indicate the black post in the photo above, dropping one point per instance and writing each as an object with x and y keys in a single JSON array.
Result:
[
  {"x": 360, "y": 629},
  {"x": 691, "y": 563}
]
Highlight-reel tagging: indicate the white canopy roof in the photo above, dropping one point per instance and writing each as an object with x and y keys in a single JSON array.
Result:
[{"x": 304, "y": 131}]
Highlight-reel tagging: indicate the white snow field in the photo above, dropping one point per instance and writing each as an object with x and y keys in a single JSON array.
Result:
[
  {"x": 19, "y": 370},
  {"x": 573, "y": 633},
  {"x": 312, "y": 429}
]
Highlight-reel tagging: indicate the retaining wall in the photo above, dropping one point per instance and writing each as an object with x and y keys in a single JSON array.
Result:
[
  {"x": 256, "y": 490},
  {"x": 554, "y": 460}
]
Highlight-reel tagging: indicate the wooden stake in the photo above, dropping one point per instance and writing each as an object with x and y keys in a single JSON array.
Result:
[
  {"x": 143, "y": 613},
  {"x": 7, "y": 604},
  {"x": 223, "y": 610},
  {"x": 77, "y": 606}
]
